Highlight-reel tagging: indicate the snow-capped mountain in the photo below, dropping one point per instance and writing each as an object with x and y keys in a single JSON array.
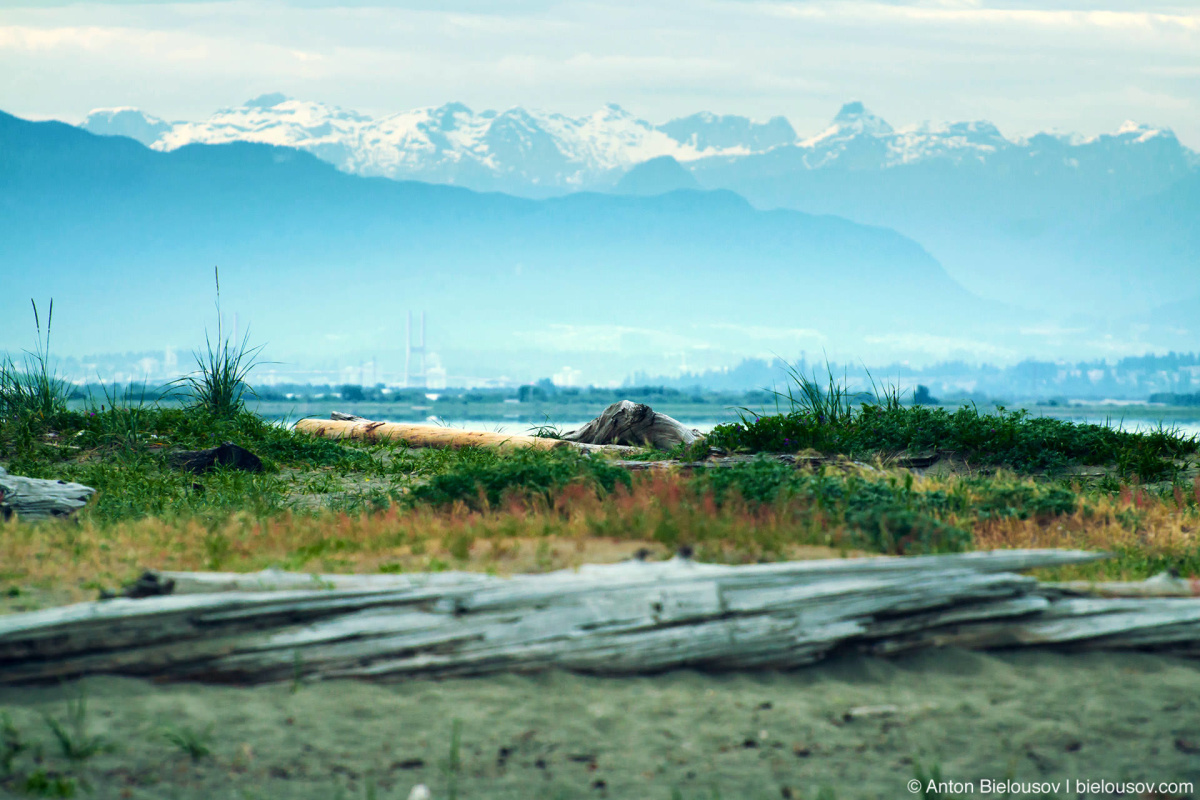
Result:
[
  {"x": 538, "y": 153},
  {"x": 126, "y": 121},
  {"x": 857, "y": 139},
  {"x": 453, "y": 144}
]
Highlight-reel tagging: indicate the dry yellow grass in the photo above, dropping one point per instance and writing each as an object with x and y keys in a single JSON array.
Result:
[
  {"x": 78, "y": 557},
  {"x": 660, "y": 512},
  {"x": 1143, "y": 529}
]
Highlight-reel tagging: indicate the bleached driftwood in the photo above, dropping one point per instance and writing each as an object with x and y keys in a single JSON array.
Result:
[
  {"x": 632, "y": 423},
  {"x": 349, "y": 426},
  {"x": 276, "y": 580},
  {"x": 38, "y": 498},
  {"x": 633, "y": 617},
  {"x": 419, "y": 435},
  {"x": 1161, "y": 585}
]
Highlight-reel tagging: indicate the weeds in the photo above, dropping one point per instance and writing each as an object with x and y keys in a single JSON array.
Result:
[
  {"x": 72, "y": 735},
  {"x": 546, "y": 430},
  {"x": 525, "y": 474},
  {"x": 33, "y": 390},
  {"x": 219, "y": 386},
  {"x": 195, "y": 743},
  {"x": 453, "y": 765},
  {"x": 931, "y": 783},
  {"x": 11, "y": 744},
  {"x": 42, "y": 784},
  {"x": 32, "y": 396},
  {"x": 124, "y": 420},
  {"x": 824, "y": 419}
]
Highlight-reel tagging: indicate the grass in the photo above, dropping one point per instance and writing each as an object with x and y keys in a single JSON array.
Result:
[
  {"x": 453, "y": 767},
  {"x": 197, "y": 744},
  {"x": 72, "y": 735},
  {"x": 566, "y": 514},
  {"x": 219, "y": 385},
  {"x": 11, "y": 744},
  {"x": 32, "y": 395},
  {"x": 332, "y": 506},
  {"x": 824, "y": 419}
]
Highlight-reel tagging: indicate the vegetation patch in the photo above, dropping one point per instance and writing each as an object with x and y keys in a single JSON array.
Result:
[
  {"x": 349, "y": 506},
  {"x": 827, "y": 419}
]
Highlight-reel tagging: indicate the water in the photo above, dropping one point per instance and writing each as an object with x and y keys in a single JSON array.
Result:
[
  {"x": 523, "y": 427},
  {"x": 1183, "y": 427},
  {"x": 508, "y": 426},
  {"x": 1183, "y": 421}
]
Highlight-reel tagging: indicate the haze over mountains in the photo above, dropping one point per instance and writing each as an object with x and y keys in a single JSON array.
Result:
[
  {"x": 324, "y": 264},
  {"x": 1061, "y": 223},
  {"x": 617, "y": 245}
]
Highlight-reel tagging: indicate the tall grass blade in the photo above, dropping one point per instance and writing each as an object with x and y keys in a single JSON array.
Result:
[{"x": 219, "y": 385}]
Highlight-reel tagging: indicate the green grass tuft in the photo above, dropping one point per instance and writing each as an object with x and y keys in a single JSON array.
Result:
[
  {"x": 219, "y": 385},
  {"x": 197, "y": 744},
  {"x": 823, "y": 419},
  {"x": 32, "y": 395},
  {"x": 72, "y": 735}
]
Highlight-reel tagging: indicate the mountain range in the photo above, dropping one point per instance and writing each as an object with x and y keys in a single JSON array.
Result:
[
  {"x": 325, "y": 264},
  {"x": 1060, "y": 223},
  {"x": 530, "y": 153},
  {"x": 527, "y": 153}
]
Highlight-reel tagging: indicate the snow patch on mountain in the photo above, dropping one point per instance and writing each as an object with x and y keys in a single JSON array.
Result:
[
  {"x": 126, "y": 121},
  {"x": 520, "y": 149}
]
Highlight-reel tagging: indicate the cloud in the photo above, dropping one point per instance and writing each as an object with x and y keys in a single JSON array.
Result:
[
  {"x": 763, "y": 333},
  {"x": 941, "y": 347},
  {"x": 606, "y": 339},
  {"x": 1026, "y": 66}
]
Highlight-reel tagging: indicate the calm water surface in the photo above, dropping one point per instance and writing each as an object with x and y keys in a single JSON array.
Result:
[{"x": 1187, "y": 427}]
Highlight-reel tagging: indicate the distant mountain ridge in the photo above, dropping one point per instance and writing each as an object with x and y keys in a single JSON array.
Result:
[
  {"x": 523, "y": 152},
  {"x": 324, "y": 261},
  {"x": 535, "y": 153}
]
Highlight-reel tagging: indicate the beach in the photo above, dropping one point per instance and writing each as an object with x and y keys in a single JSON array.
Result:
[{"x": 849, "y": 727}]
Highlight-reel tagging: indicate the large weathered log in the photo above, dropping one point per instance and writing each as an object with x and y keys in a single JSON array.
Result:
[
  {"x": 1161, "y": 585},
  {"x": 349, "y": 426},
  {"x": 625, "y": 618},
  {"x": 38, "y": 498},
  {"x": 419, "y": 435},
  {"x": 631, "y": 423}
]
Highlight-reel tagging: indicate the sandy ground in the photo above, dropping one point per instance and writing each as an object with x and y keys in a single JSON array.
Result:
[{"x": 811, "y": 733}]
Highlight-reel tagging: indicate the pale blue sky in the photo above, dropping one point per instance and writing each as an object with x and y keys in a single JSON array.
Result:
[{"x": 1068, "y": 65}]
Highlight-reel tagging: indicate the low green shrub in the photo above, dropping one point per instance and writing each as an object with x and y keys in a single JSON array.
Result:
[
  {"x": 1004, "y": 438},
  {"x": 528, "y": 474}
]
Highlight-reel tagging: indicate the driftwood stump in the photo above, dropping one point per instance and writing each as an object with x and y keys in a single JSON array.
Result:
[
  {"x": 38, "y": 498},
  {"x": 631, "y": 423}
]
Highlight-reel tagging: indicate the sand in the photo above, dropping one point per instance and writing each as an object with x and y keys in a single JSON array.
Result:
[{"x": 1030, "y": 716}]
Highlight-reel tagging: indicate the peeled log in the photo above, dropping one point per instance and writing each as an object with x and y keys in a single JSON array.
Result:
[
  {"x": 38, "y": 498},
  {"x": 631, "y": 423},
  {"x": 420, "y": 435}
]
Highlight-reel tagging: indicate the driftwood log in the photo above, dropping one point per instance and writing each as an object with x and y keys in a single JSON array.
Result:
[
  {"x": 634, "y": 617},
  {"x": 419, "y": 435},
  {"x": 38, "y": 498},
  {"x": 621, "y": 428},
  {"x": 632, "y": 423},
  {"x": 349, "y": 426}
]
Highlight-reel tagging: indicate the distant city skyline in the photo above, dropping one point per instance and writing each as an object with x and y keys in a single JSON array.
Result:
[{"x": 1066, "y": 65}]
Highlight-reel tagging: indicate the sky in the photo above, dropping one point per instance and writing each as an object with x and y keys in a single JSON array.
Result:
[{"x": 1065, "y": 65}]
